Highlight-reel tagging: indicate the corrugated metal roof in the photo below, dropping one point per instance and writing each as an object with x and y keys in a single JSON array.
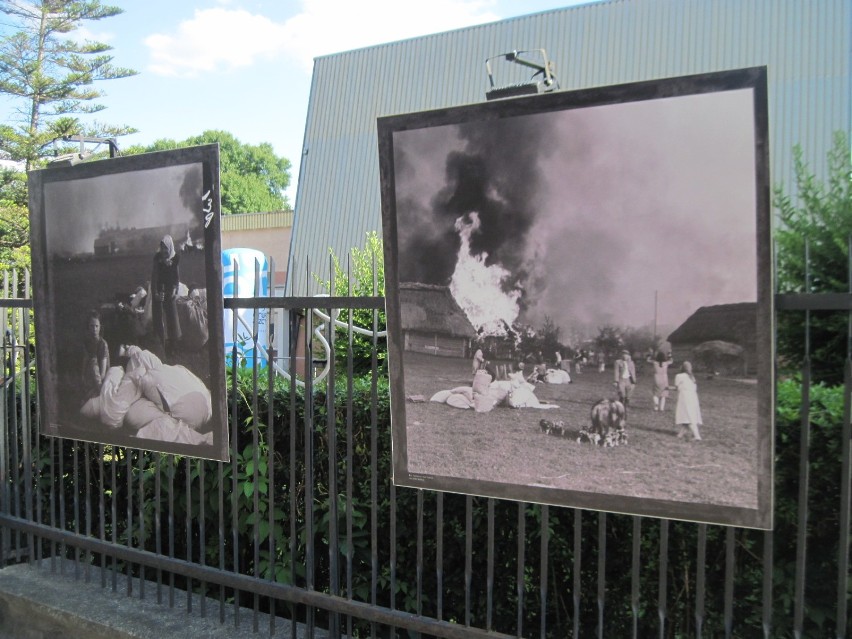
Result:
[{"x": 806, "y": 46}]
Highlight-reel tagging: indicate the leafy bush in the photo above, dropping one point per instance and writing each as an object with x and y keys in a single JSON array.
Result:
[
  {"x": 814, "y": 239},
  {"x": 825, "y": 419},
  {"x": 363, "y": 276}
]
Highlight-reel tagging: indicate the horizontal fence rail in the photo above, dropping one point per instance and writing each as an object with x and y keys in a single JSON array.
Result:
[{"x": 304, "y": 521}]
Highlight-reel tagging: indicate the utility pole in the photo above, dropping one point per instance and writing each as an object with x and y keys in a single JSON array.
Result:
[{"x": 655, "y": 319}]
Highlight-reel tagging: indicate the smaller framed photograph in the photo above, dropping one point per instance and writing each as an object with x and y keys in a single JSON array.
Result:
[
  {"x": 579, "y": 298},
  {"x": 128, "y": 303}
]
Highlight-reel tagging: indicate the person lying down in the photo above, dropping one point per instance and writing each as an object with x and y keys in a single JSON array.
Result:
[{"x": 155, "y": 400}]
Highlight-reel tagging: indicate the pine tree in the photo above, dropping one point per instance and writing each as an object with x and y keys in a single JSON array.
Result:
[{"x": 50, "y": 76}]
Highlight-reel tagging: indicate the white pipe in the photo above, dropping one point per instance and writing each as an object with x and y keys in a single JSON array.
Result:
[{"x": 318, "y": 333}]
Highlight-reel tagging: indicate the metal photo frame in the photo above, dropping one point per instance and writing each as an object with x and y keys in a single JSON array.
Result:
[
  {"x": 128, "y": 301},
  {"x": 529, "y": 242}
]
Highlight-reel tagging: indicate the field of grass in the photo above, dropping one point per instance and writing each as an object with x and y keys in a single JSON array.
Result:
[{"x": 506, "y": 445}]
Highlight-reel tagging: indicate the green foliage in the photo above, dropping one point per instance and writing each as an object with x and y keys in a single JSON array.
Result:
[
  {"x": 51, "y": 76},
  {"x": 362, "y": 276},
  {"x": 364, "y": 272},
  {"x": 253, "y": 178},
  {"x": 48, "y": 79},
  {"x": 14, "y": 221},
  {"x": 819, "y": 218},
  {"x": 13, "y": 188},
  {"x": 824, "y": 419},
  {"x": 14, "y": 236}
]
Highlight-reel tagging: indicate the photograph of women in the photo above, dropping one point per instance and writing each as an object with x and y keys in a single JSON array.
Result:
[{"x": 128, "y": 301}]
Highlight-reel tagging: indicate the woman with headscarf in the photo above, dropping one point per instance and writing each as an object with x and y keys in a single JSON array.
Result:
[
  {"x": 687, "y": 411},
  {"x": 165, "y": 277}
]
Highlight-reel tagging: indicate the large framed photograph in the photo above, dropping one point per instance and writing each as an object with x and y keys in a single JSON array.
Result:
[
  {"x": 579, "y": 298},
  {"x": 128, "y": 303}
]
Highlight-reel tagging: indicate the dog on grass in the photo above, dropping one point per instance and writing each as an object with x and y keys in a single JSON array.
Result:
[
  {"x": 556, "y": 427},
  {"x": 609, "y": 424}
]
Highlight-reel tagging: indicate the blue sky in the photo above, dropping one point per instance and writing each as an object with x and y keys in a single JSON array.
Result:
[{"x": 244, "y": 66}]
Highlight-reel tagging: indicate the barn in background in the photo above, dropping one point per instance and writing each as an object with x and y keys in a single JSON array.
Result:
[
  {"x": 718, "y": 339},
  {"x": 432, "y": 321}
]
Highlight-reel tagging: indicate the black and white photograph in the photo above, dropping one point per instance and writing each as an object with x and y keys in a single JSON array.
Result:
[
  {"x": 579, "y": 298},
  {"x": 128, "y": 301}
]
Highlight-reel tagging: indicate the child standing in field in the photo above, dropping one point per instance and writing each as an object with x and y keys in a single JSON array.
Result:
[
  {"x": 95, "y": 357},
  {"x": 687, "y": 411},
  {"x": 661, "y": 364},
  {"x": 625, "y": 377}
]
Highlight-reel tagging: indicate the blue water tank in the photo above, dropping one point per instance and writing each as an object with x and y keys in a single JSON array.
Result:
[{"x": 239, "y": 269}]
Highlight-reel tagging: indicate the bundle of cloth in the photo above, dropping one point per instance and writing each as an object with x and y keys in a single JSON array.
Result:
[
  {"x": 192, "y": 315},
  {"x": 191, "y": 305},
  {"x": 486, "y": 393},
  {"x": 156, "y": 400},
  {"x": 557, "y": 376}
]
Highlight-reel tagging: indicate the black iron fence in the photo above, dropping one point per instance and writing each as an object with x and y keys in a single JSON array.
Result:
[{"x": 304, "y": 522}]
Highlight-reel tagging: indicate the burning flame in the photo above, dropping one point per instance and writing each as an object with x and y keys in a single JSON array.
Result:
[{"x": 477, "y": 288}]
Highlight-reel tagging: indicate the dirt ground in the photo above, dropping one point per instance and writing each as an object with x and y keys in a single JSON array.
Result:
[{"x": 507, "y": 445}]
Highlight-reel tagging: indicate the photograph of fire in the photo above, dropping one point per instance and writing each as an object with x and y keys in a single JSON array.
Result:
[{"x": 575, "y": 304}]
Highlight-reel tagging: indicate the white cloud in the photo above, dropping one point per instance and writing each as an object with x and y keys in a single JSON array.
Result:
[
  {"x": 220, "y": 38},
  {"x": 331, "y": 26},
  {"x": 214, "y": 39}
]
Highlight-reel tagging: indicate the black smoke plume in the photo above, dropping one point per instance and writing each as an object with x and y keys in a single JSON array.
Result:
[{"x": 496, "y": 175}]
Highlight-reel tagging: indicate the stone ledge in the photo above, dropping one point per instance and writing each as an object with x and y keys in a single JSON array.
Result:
[{"x": 38, "y": 603}]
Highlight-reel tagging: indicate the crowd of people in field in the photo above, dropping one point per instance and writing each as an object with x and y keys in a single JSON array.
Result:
[{"x": 535, "y": 368}]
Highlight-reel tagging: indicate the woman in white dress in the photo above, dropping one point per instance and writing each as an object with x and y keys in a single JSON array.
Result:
[{"x": 687, "y": 411}]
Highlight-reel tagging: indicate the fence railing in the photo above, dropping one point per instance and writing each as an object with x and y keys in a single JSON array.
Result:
[{"x": 305, "y": 522}]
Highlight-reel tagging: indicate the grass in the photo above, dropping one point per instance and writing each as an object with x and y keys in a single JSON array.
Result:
[{"x": 507, "y": 445}]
